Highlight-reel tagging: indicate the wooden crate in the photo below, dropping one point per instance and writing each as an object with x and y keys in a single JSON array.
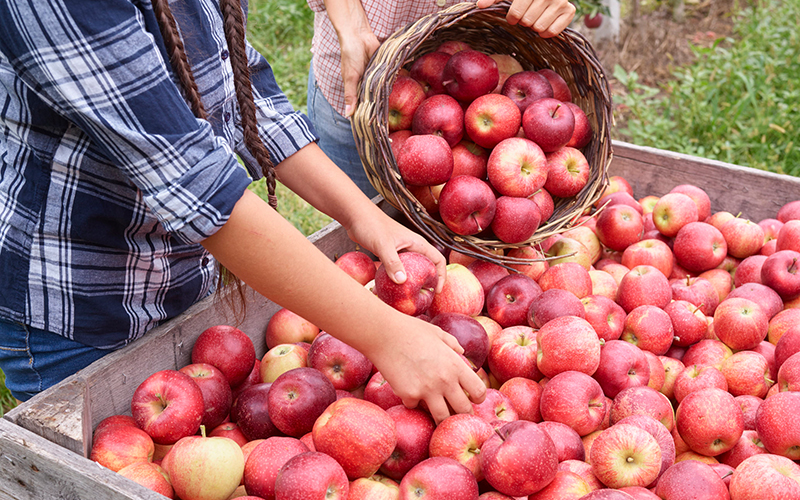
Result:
[{"x": 45, "y": 441}]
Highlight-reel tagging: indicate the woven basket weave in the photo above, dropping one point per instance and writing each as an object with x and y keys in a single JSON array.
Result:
[{"x": 569, "y": 54}]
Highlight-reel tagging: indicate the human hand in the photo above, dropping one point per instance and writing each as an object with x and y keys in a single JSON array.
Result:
[
  {"x": 356, "y": 52},
  {"x": 422, "y": 363},
  {"x": 385, "y": 237},
  {"x": 546, "y": 17}
]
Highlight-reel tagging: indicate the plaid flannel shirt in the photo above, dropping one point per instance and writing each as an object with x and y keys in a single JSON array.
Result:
[
  {"x": 384, "y": 16},
  {"x": 107, "y": 180}
]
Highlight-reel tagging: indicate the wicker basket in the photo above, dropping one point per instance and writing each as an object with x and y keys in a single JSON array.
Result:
[{"x": 569, "y": 54}]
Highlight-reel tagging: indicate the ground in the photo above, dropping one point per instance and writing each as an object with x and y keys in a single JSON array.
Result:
[{"x": 656, "y": 44}]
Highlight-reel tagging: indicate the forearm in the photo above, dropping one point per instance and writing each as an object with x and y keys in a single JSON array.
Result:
[{"x": 347, "y": 16}]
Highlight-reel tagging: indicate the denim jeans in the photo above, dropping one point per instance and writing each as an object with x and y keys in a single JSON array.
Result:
[
  {"x": 33, "y": 360},
  {"x": 336, "y": 136}
]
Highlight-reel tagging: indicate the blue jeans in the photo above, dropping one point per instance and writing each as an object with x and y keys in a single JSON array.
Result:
[
  {"x": 33, "y": 360},
  {"x": 336, "y": 136}
]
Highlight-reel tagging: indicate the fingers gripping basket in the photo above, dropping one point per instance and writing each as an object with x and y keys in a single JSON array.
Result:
[{"x": 487, "y": 30}]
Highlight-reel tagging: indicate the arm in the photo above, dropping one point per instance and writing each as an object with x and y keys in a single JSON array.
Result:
[
  {"x": 418, "y": 359},
  {"x": 546, "y": 17},
  {"x": 357, "y": 43}
]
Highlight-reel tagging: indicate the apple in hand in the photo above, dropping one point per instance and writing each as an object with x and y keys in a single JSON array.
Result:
[
  {"x": 168, "y": 405},
  {"x": 490, "y": 119},
  {"x": 228, "y": 349},
  {"x": 468, "y": 331},
  {"x": 415, "y": 294},
  {"x": 467, "y": 205},
  {"x": 524, "y": 87},
  {"x": 548, "y": 123},
  {"x": 469, "y": 74}
]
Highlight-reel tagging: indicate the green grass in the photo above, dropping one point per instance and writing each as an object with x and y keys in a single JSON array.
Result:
[{"x": 737, "y": 103}]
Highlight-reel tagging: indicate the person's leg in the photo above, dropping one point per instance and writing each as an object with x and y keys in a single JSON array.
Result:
[
  {"x": 336, "y": 136},
  {"x": 33, "y": 360}
]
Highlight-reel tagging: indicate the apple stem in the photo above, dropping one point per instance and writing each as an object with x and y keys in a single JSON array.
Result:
[
  {"x": 793, "y": 268},
  {"x": 203, "y": 430},
  {"x": 555, "y": 111},
  {"x": 497, "y": 431}
]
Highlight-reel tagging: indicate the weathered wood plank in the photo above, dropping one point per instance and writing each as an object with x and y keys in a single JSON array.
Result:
[
  {"x": 33, "y": 468},
  {"x": 756, "y": 194}
]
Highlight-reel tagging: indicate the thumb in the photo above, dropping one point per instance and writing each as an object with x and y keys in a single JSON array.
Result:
[{"x": 350, "y": 98}]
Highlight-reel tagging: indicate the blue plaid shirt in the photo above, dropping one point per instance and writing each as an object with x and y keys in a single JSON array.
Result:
[{"x": 107, "y": 180}]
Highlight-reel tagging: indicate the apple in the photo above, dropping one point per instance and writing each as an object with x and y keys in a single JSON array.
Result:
[
  {"x": 743, "y": 237},
  {"x": 439, "y": 115},
  {"x": 788, "y": 344},
  {"x": 250, "y": 411},
  {"x": 672, "y": 212},
  {"x": 415, "y": 295},
  {"x": 569, "y": 276},
  {"x": 467, "y": 205},
  {"x": 397, "y": 139},
  {"x": 622, "y": 365},
  {"x": 662, "y": 435},
  {"x": 642, "y": 400},
  {"x": 650, "y": 328},
  {"x": 228, "y": 349},
  {"x": 414, "y": 429},
  {"x": 690, "y": 324},
  {"x": 469, "y": 159},
  {"x": 740, "y": 323},
  {"x": 606, "y": 316},
  {"x": 149, "y": 475},
  {"x": 525, "y": 395},
  {"x": 781, "y": 272},
  {"x": 548, "y": 123},
  {"x": 584, "y": 469},
  {"x": 569, "y": 445},
  {"x": 524, "y": 87},
  {"x": 762, "y": 295},
  {"x": 554, "y": 303},
  {"x": 648, "y": 203},
  {"x": 358, "y": 434},
  {"x": 566, "y": 485},
  {"x": 217, "y": 394},
  {"x": 771, "y": 227},
  {"x": 510, "y": 298},
  {"x": 643, "y": 285},
  {"x": 781, "y": 322},
  {"x": 710, "y": 421},
  {"x": 468, "y": 331},
  {"x": 517, "y": 167},
  {"x": 439, "y": 478},
  {"x": 672, "y": 368},
  {"x": 346, "y": 367},
  {"x": 425, "y": 160},
  {"x": 428, "y": 70},
  {"x": 593, "y": 21},
  {"x": 570, "y": 250},
  {"x": 286, "y": 327},
  {"x": 513, "y": 354},
  {"x": 461, "y": 293},
  {"x": 375, "y": 487},
  {"x": 533, "y": 261},
  {"x": 379, "y": 391},
  {"x": 699, "y": 196},
  {"x": 789, "y": 211},
  {"x": 777, "y": 425},
  {"x": 561, "y": 90},
  {"x": 545, "y": 202},
  {"x": 297, "y": 398},
  {"x": 765, "y": 476},
  {"x": 460, "y": 437},
  {"x": 694, "y": 378},
  {"x": 582, "y": 133},
  {"x": 651, "y": 252},
  {"x": 280, "y": 359},
  {"x": 567, "y": 343},
  {"x": 603, "y": 284},
  {"x": 698, "y": 291},
  {"x": 619, "y": 226},
  {"x": 490, "y": 119},
  {"x": 567, "y": 172},
  {"x": 496, "y": 409},
  {"x": 692, "y": 478},
  {"x": 404, "y": 99},
  {"x": 749, "y": 405},
  {"x": 311, "y": 475},
  {"x": 516, "y": 219},
  {"x": 118, "y": 446},
  {"x": 507, "y": 65},
  {"x": 357, "y": 264},
  {"x": 625, "y": 455},
  {"x": 575, "y": 399},
  {"x": 699, "y": 246},
  {"x": 519, "y": 459},
  {"x": 168, "y": 405},
  {"x": 707, "y": 352},
  {"x": 623, "y": 198},
  {"x": 789, "y": 236},
  {"x": 469, "y": 74},
  {"x": 747, "y": 446},
  {"x": 721, "y": 280},
  {"x": 265, "y": 460},
  {"x": 749, "y": 270},
  {"x": 488, "y": 273},
  {"x": 229, "y": 430},
  {"x": 201, "y": 468},
  {"x": 747, "y": 373}
]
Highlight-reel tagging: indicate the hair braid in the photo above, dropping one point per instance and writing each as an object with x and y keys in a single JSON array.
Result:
[
  {"x": 177, "y": 55},
  {"x": 235, "y": 35}
]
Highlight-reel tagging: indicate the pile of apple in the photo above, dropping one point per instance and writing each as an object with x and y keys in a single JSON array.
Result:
[
  {"x": 655, "y": 355},
  {"x": 484, "y": 145}
]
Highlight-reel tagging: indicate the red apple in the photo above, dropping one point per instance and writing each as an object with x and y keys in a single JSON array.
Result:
[
  {"x": 425, "y": 160},
  {"x": 650, "y": 328},
  {"x": 765, "y": 476},
  {"x": 404, "y": 99},
  {"x": 710, "y": 421},
  {"x": 229, "y": 430},
  {"x": 265, "y": 461},
  {"x": 651, "y": 252},
  {"x": 593, "y": 21},
  {"x": 280, "y": 359},
  {"x": 469, "y": 74},
  {"x": 619, "y": 226},
  {"x": 357, "y": 264},
  {"x": 311, "y": 475},
  {"x": 747, "y": 373},
  {"x": 699, "y": 246},
  {"x": 642, "y": 400},
  {"x": 689, "y": 322},
  {"x": 747, "y": 446},
  {"x": 548, "y": 123},
  {"x": 427, "y": 69},
  {"x": 490, "y": 119},
  {"x": 582, "y": 133},
  {"x": 228, "y": 349},
  {"x": 693, "y": 479},
  {"x": 567, "y": 343},
  {"x": 414, "y": 296},
  {"x": 740, "y": 323},
  {"x": 507, "y": 65},
  {"x": 567, "y": 172},
  {"x": 762, "y": 295},
  {"x": 375, "y": 487},
  {"x": 707, "y": 352},
  {"x": 545, "y": 202},
  {"x": 414, "y": 429},
  {"x": 743, "y": 237},
  {"x": 467, "y": 205},
  {"x": 672, "y": 212},
  {"x": 251, "y": 412},
  {"x": 346, "y": 367},
  {"x": 568, "y": 276},
  {"x": 524, "y": 87},
  {"x": 460, "y": 437},
  {"x": 379, "y": 391},
  {"x": 663, "y": 437},
  {"x": 625, "y": 455},
  {"x": 217, "y": 394},
  {"x": 488, "y": 273},
  {"x": 554, "y": 303},
  {"x": 561, "y": 90},
  {"x": 398, "y": 139},
  {"x": 777, "y": 426},
  {"x": 789, "y": 236},
  {"x": 510, "y": 298},
  {"x": 698, "y": 291},
  {"x": 462, "y": 293},
  {"x": 643, "y": 285},
  {"x": 574, "y": 399},
  {"x": 694, "y": 378},
  {"x": 519, "y": 459},
  {"x": 781, "y": 272},
  {"x": 517, "y": 167},
  {"x": 604, "y": 284},
  {"x": 525, "y": 395},
  {"x": 516, "y": 219},
  {"x": 513, "y": 354},
  {"x": 699, "y": 196},
  {"x": 469, "y": 159},
  {"x": 168, "y": 405},
  {"x": 149, "y": 475},
  {"x": 439, "y": 115},
  {"x": 358, "y": 434},
  {"x": 622, "y": 365},
  {"x": 606, "y": 316},
  {"x": 439, "y": 478},
  {"x": 286, "y": 327},
  {"x": 297, "y": 398},
  {"x": 496, "y": 409},
  {"x": 569, "y": 445},
  {"x": 118, "y": 446}
]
